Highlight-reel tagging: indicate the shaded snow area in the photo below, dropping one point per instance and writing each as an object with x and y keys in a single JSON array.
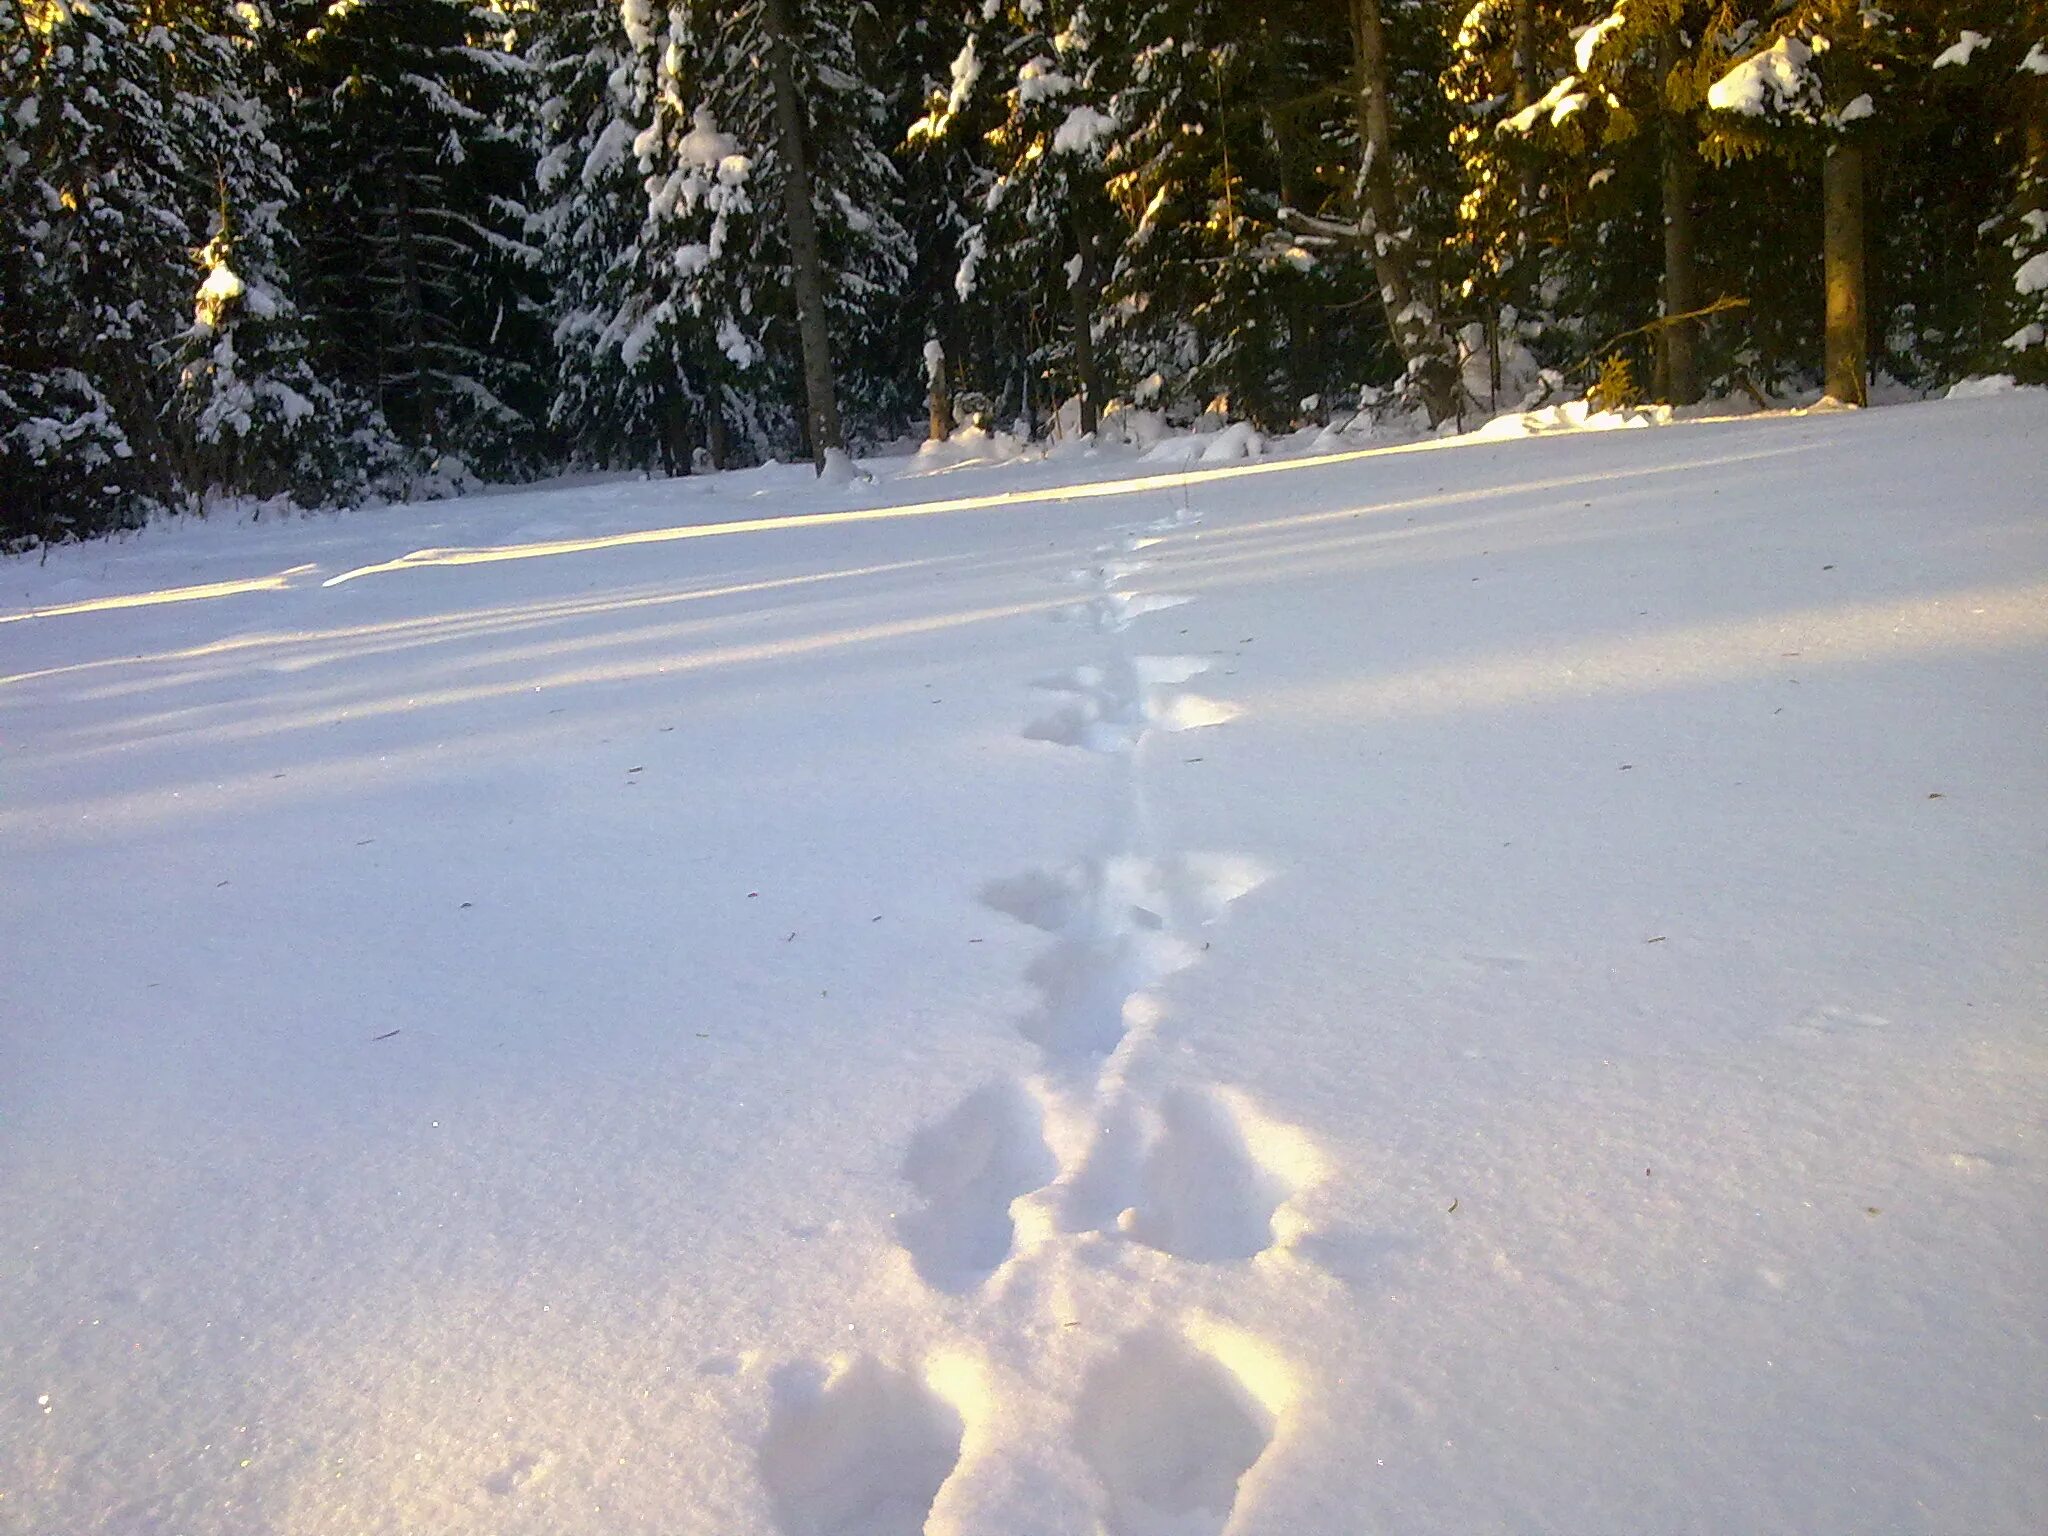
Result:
[{"x": 1487, "y": 986}]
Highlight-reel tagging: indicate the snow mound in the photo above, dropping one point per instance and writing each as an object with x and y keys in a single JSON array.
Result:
[
  {"x": 1239, "y": 440},
  {"x": 1982, "y": 387},
  {"x": 1572, "y": 416}
]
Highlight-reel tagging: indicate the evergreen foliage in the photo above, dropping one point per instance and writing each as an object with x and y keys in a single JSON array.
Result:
[
  {"x": 418, "y": 266},
  {"x": 329, "y": 249}
]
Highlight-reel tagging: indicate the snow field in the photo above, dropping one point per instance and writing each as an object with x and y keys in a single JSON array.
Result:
[{"x": 1494, "y": 986}]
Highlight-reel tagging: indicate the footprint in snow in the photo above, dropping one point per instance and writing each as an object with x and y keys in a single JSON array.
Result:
[
  {"x": 1112, "y": 611},
  {"x": 861, "y": 1454},
  {"x": 968, "y": 1167},
  {"x": 1171, "y": 1431},
  {"x": 1092, "y": 992},
  {"x": 1203, "y": 1176},
  {"x": 1113, "y": 707},
  {"x": 1204, "y": 1192},
  {"x": 518, "y": 1473},
  {"x": 1122, "y": 925},
  {"x": 1126, "y": 893}
]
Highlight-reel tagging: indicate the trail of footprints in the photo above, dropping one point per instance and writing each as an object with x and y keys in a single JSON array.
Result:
[{"x": 1193, "y": 1171}]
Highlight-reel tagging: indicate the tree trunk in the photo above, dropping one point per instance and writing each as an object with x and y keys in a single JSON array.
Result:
[
  {"x": 675, "y": 433},
  {"x": 1847, "y": 343},
  {"x": 941, "y": 393},
  {"x": 1417, "y": 333},
  {"x": 1525, "y": 54},
  {"x": 1681, "y": 284},
  {"x": 714, "y": 430},
  {"x": 2033, "y": 109},
  {"x": 412, "y": 295},
  {"x": 1083, "y": 291},
  {"x": 807, "y": 274}
]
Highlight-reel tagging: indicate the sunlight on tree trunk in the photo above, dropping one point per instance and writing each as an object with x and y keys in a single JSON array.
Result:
[
  {"x": 1681, "y": 284},
  {"x": 1847, "y": 342},
  {"x": 941, "y": 393}
]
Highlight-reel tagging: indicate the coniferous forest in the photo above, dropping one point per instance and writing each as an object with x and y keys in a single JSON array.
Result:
[{"x": 330, "y": 250}]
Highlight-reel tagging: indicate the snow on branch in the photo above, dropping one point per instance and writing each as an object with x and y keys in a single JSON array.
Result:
[
  {"x": 1779, "y": 79},
  {"x": 1960, "y": 50}
]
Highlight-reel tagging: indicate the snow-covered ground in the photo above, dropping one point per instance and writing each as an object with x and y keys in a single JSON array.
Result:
[{"x": 1494, "y": 986}]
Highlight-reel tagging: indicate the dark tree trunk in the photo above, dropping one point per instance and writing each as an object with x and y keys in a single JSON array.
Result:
[
  {"x": 941, "y": 393},
  {"x": 1678, "y": 375},
  {"x": 675, "y": 434},
  {"x": 412, "y": 295},
  {"x": 1417, "y": 333},
  {"x": 1681, "y": 283},
  {"x": 1847, "y": 340},
  {"x": 714, "y": 433},
  {"x": 807, "y": 274}
]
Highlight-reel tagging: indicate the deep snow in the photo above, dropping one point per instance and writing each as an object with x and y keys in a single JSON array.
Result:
[{"x": 1490, "y": 987}]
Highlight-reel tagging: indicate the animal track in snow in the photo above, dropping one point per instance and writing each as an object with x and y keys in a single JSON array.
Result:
[
  {"x": 1170, "y": 1430},
  {"x": 863, "y": 1454},
  {"x": 1204, "y": 1191},
  {"x": 1202, "y": 1177},
  {"x": 1126, "y": 892},
  {"x": 519, "y": 1473},
  {"x": 1093, "y": 992},
  {"x": 1114, "y": 706},
  {"x": 1106, "y": 1182},
  {"x": 1112, "y": 611},
  {"x": 969, "y": 1167},
  {"x": 1122, "y": 925}
]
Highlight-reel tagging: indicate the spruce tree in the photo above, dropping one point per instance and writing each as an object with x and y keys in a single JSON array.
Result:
[
  {"x": 766, "y": 167},
  {"x": 251, "y": 416},
  {"x": 1394, "y": 212},
  {"x": 1041, "y": 222},
  {"x": 99, "y": 187},
  {"x": 1807, "y": 87},
  {"x": 1532, "y": 194},
  {"x": 418, "y": 260},
  {"x": 624, "y": 394}
]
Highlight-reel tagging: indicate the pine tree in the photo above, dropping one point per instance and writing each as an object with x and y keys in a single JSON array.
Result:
[
  {"x": 1637, "y": 74},
  {"x": 1392, "y": 203},
  {"x": 417, "y": 254},
  {"x": 100, "y": 182},
  {"x": 2026, "y": 347},
  {"x": 986, "y": 330},
  {"x": 1042, "y": 225},
  {"x": 252, "y": 418},
  {"x": 624, "y": 394},
  {"x": 765, "y": 165},
  {"x": 1806, "y": 87},
  {"x": 1532, "y": 201},
  {"x": 1220, "y": 138},
  {"x": 1983, "y": 131},
  {"x": 919, "y": 48}
]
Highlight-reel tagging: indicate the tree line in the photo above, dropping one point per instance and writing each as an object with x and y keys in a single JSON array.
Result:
[{"x": 335, "y": 249}]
